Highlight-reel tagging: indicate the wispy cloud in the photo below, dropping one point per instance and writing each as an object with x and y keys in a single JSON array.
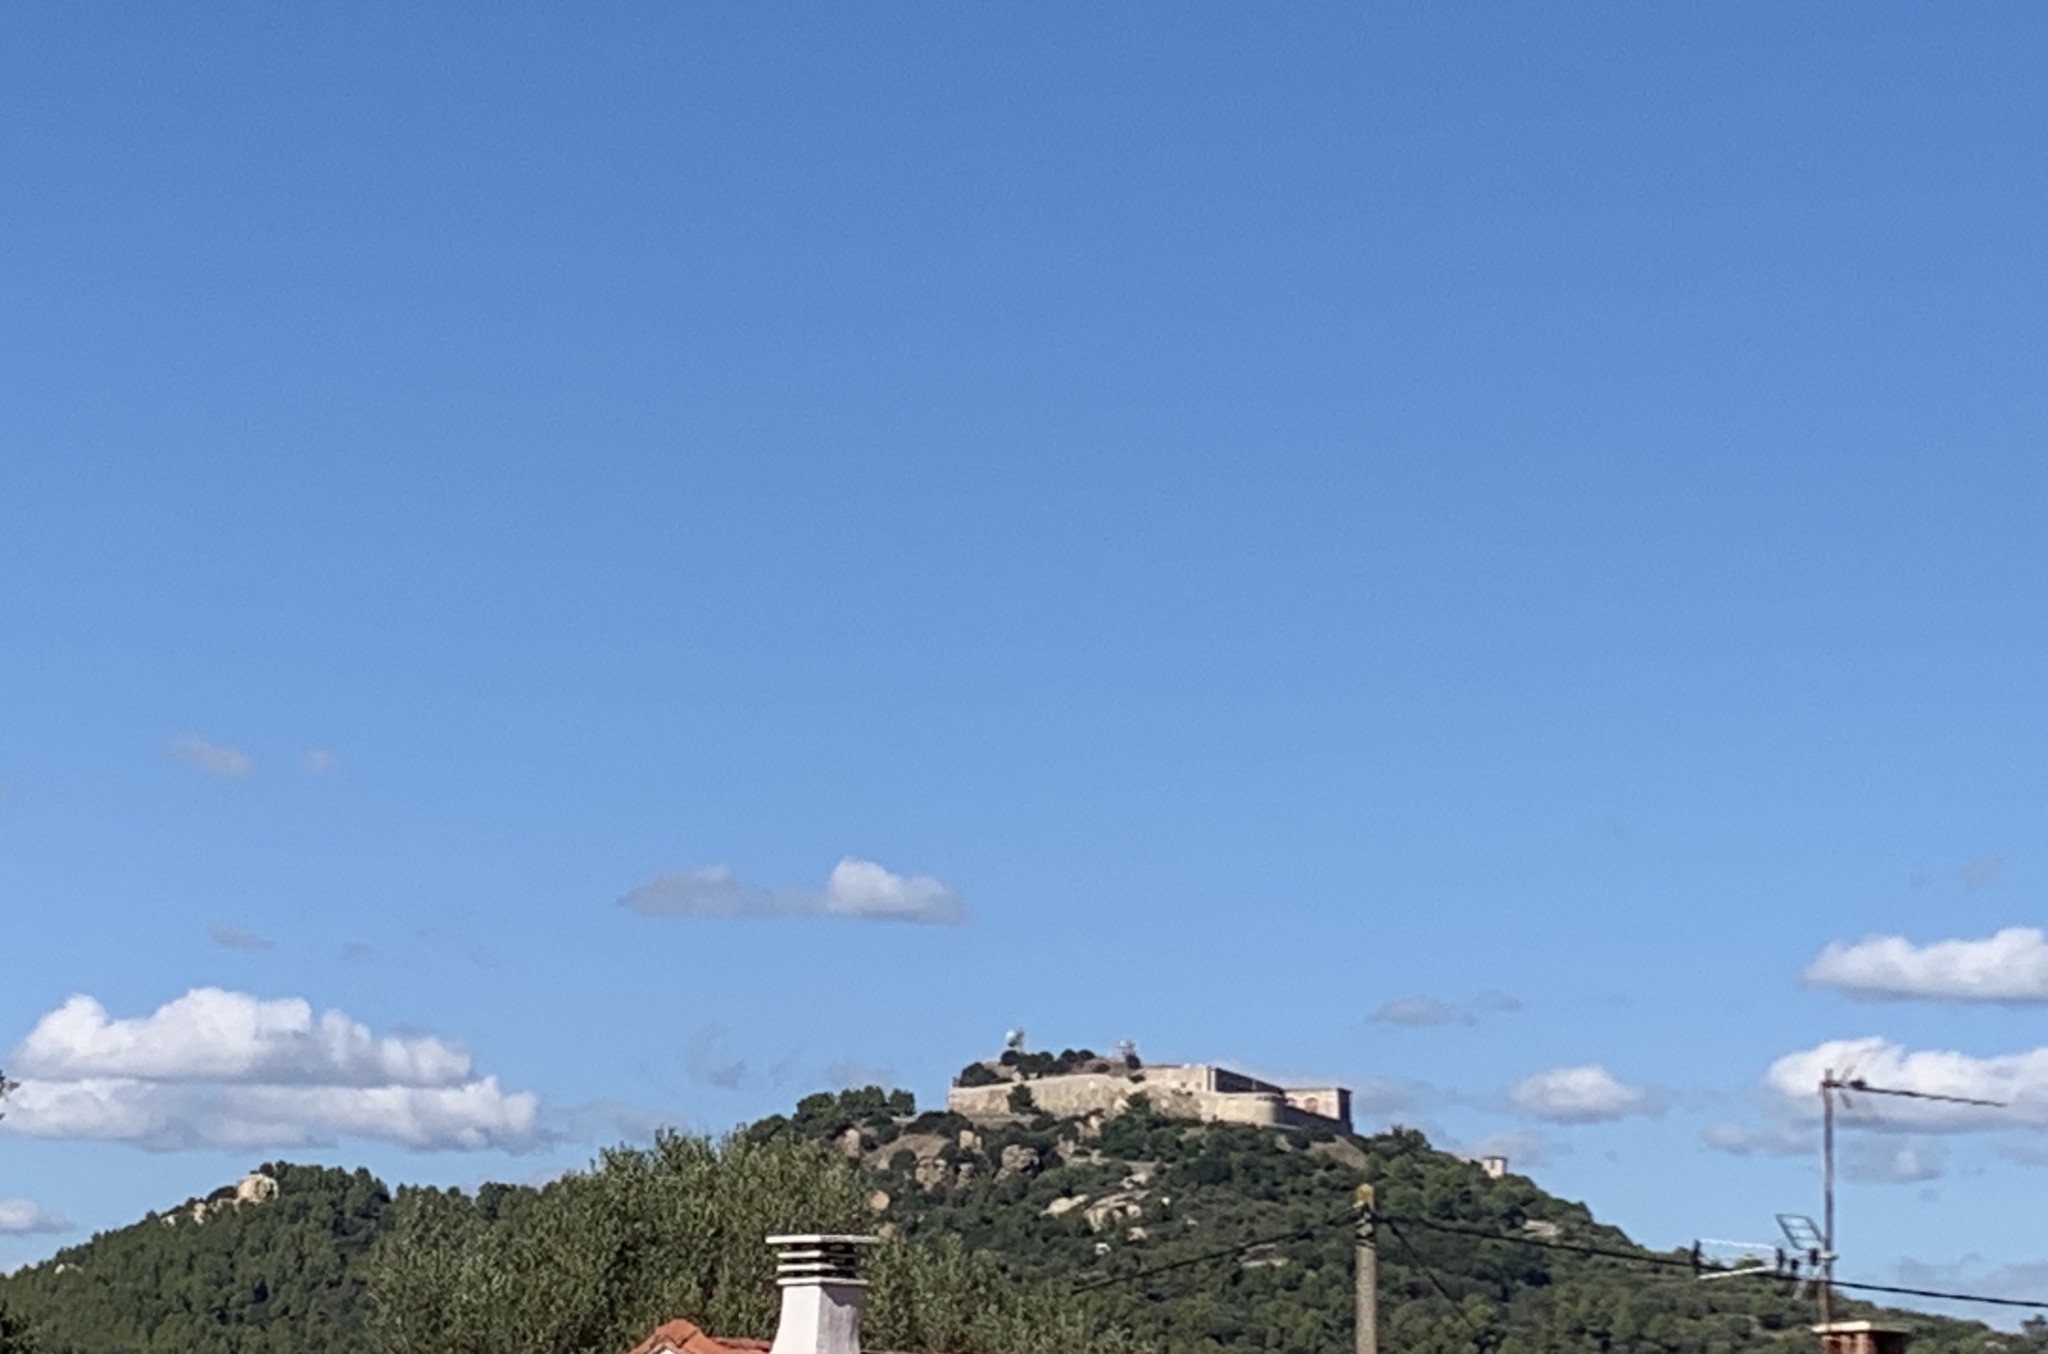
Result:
[
  {"x": 1772, "y": 1140},
  {"x": 2011, "y": 966},
  {"x": 1418, "y": 1012},
  {"x": 1521, "y": 1148},
  {"x": 215, "y": 759},
  {"x": 1893, "y": 1163},
  {"x": 1421, "y": 1011},
  {"x": 708, "y": 1058},
  {"x": 1984, "y": 872},
  {"x": 235, "y": 938},
  {"x": 850, "y": 1073},
  {"x": 856, "y": 888},
  {"x": 2025, "y": 1280},
  {"x": 609, "y": 1119},
  {"x": 225, "y": 1069},
  {"x": 19, "y": 1217},
  {"x": 319, "y": 761},
  {"x": 1587, "y": 1094},
  {"x": 1383, "y": 1097}
]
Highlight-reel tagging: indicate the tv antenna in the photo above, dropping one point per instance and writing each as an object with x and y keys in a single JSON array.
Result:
[
  {"x": 1808, "y": 1246},
  {"x": 1741, "y": 1259},
  {"x": 1846, "y": 1085}
]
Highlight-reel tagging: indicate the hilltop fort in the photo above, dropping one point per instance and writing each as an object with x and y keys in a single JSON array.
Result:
[{"x": 1081, "y": 1082}]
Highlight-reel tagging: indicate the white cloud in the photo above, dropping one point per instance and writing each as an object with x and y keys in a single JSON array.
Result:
[
  {"x": 861, "y": 888},
  {"x": 856, "y": 888},
  {"x": 173, "y": 1117},
  {"x": 2011, "y": 966},
  {"x": 319, "y": 761},
  {"x": 214, "y": 1035},
  {"x": 227, "y": 1070},
  {"x": 2018, "y": 1080},
  {"x": 1579, "y": 1095},
  {"x": 215, "y": 759},
  {"x": 22, "y": 1216}
]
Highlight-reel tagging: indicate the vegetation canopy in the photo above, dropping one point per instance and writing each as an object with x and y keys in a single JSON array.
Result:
[{"x": 1027, "y": 1235}]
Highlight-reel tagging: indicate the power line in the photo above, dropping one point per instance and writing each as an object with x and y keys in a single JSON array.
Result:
[
  {"x": 1949, "y": 1297},
  {"x": 1478, "y": 1335},
  {"x": 1423, "y": 1265},
  {"x": 1691, "y": 1263},
  {"x": 1831, "y": 1086},
  {"x": 1305, "y": 1230},
  {"x": 1575, "y": 1247},
  {"x": 1673, "y": 1262}
]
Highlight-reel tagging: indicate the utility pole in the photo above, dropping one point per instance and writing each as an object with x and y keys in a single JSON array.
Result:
[
  {"x": 1831, "y": 1085},
  {"x": 1366, "y": 1340},
  {"x": 1828, "y": 1086}
]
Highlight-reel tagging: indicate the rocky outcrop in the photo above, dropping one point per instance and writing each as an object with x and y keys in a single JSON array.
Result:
[{"x": 253, "y": 1188}]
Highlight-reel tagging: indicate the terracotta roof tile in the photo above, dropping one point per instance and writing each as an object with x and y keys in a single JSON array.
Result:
[{"x": 681, "y": 1337}]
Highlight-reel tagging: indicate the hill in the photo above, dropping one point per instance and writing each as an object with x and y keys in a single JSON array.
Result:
[
  {"x": 280, "y": 1274},
  {"x": 1137, "y": 1206},
  {"x": 998, "y": 1224}
]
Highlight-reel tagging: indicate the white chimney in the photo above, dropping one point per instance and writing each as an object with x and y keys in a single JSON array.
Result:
[{"x": 821, "y": 1292}]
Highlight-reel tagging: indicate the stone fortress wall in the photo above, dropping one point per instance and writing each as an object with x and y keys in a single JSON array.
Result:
[{"x": 1199, "y": 1091}]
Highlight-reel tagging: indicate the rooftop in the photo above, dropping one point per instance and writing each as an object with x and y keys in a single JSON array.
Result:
[{"x": 681, "y": 1337}]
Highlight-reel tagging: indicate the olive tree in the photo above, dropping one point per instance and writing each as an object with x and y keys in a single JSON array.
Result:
[{"x": 589, "y": 1263}]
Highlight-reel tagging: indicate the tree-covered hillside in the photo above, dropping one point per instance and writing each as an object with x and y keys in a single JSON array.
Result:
[
  {"x": 283, "y": 1276},
  {"x": 1132, "y": 1204},
  {"x": 1027, "y": 1236},
  {"x": 595, "y": 1260}
]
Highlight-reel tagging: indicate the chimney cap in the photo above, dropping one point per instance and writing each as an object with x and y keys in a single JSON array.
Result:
[{"x": 808, "y": 1259}]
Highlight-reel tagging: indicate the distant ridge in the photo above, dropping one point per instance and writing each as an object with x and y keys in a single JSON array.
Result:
[{"x": 1150, "y": 1212}]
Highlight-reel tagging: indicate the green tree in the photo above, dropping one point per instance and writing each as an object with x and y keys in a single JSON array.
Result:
[
  {"x": 214, "y": 1276},
  {"x": 14, "y": 1332},
  {"x": 992, "y": 1228},
  {"x": 15, "y": 1336},
  {"x": 591, "y": 1262}
]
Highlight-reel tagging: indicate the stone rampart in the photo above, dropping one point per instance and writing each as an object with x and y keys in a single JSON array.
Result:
[{"x": 1179, "y": 1091}]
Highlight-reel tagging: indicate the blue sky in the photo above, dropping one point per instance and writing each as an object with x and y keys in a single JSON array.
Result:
[{"x": 1455, "y": 548}]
